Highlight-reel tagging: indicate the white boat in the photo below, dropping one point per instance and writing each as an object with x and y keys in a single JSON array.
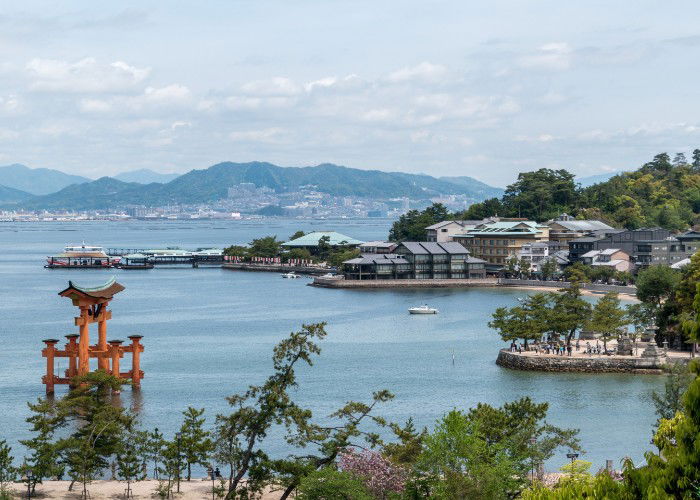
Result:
[
  {"x": 290, "y": 275},
  {"x": 422, "y": 310}
]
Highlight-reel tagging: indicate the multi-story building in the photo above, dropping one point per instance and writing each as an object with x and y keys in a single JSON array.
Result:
[
  {"x": 378, "y": 247},
  {"x": 445, "y": 230},
  {"x": 535, "y": 254},
  {"x": 667, "y": 251},
  {"x": 624, "y": 240},
  {"x": 609, "y": 257},
  {"x": 496, "y": 242},
  {"x": 417, "y": 260},
  {"x": 565, "y": 228}
]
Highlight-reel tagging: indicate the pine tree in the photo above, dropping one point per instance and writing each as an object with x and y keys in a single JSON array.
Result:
[
  {"x": 8, "y": 472},
  {"x": 129, "y": 464},
  {"x": 44, "y": 458},
  {"x": 194, "y": 442},
  {"x": 608, "y": 317},
  {"x": 155, "y": 447}
]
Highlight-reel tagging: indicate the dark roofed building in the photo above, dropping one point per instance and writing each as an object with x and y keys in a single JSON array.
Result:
[{"x": 626, "y": 241}]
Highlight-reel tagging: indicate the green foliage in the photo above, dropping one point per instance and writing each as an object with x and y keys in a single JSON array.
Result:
[
  {"x": 607, "y": 317},
  {"x": 154, "y": 449},
  {"x": 195, "y": 444},
  {"x": 129, "y": 463},
  {"x": 409, "y": 446},
  {"x": 670, "y": 402},
  {"x": 478, "y": 211},
  {"x": 411, "y": 226},
  {"x": 297, "y": 253},
  {"x": 602, "y": 486},
  {"x": 296, "y": 235},
  {"x": 657, "y": 283},
  {"x": 329, "y": 483},
  {"x": 8, "y": 472},
  {"x": 268, "y": 246},
  {"x": 569, "y": 312},
  {"x": 236, "y": 251},
  {"x": 577, "y": 470},
  {"x": 540, "y": 195},
  {"x": 578, "y": 272},
  {"x": 526, "y": 322}
]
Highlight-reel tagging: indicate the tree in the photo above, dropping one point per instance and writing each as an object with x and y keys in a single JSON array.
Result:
[
  {"x": 269, "y": 246},
  {"x": 607, "y": 318},
  {"x": 409, "y": 445},
  {"x": 548, "y": 268},
  {"x": 297, "y": 253},
  {"x": 411, "y": 226},
  {"x": 257, "y": 409},
  {"x": 691, "y": 325},
  {"x": 329, "y": 483},
  {"x": 155, "y": 446},
  {"x": 640, "y": 315},
  {"x": 679, "y": 160},
  {"x": 670, "y": 402},
  {"x": 296, "y": 235},
  {"x": 541, "y": 195},
  {"x": 569, "y": 312},
  {"x": 8, "y": 472},
  {"x": 696, "y": 159},
  {"x": 129, "y": 464},
  {"x": 236, "y": 251},
  {"x": 487, "y": 208},
  {"x": 337, "y": 257},
  {"x": 577, "y": 272},
  {"x": 44, "y": 458},
  {"x": 195, "y": 444},
  {"x": 379, "y": 475},
  {"x": 656, "y": 284},
  {"x": 521, "y": 322}
]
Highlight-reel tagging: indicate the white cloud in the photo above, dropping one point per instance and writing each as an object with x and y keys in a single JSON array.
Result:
[
  {"x": 542, "y": 138},
  {"x": 83, "y": 76},
  {"x": 272, "y": 87},
  {"x": 551, "y": 56},
  {"x": 180, "y": 124},
  {"x": 273, "y": 135},
  {"x": 95, "y": 106},
  {"x": 7, "y": 134},
  {"x": 424, "y": 71},
  {"x": 169, "y": 94}
]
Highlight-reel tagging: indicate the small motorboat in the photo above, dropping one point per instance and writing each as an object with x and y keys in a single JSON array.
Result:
[
  {"x": 290, "y": 275},
  {"x": 424, "y": 309}
]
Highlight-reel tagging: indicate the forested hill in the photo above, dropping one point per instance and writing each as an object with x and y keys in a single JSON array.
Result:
[
  {"x": 662, "y": 192},
  {"x": 211, "y": 184}
]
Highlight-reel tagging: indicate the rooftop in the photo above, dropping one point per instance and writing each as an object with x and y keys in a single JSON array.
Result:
[
  {"x": 434, "y": 248},
  {"x": 311, "y": 239},
  {"x": 106, "y": 290}
]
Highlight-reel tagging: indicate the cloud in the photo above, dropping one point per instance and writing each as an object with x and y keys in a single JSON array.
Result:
[
  {"x": 94, "y": 106},
  {"x": 425, "y": 71},
  {"x": 550, "y": 56},
  {"x": 7, "y": 134},
  {"x": 9, "y": 104},
  {"x": 83, "y": 76},
  {"x": 169, "y": 94},
  {"x": 272, "y": 87},
  {"x": 273, "y": 135}
]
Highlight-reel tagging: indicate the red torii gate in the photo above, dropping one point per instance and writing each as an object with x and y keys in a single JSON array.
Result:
[{"x": 92, "y": 303}]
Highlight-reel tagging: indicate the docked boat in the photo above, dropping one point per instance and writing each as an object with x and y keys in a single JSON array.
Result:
[
  {"x": 80, "y": 256},
  {"x": 290, "y": 275},
  {"x": 424, "y": 309},
  {"x": 135, "y": 261}
]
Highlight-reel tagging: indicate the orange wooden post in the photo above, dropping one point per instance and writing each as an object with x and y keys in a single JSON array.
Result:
[
  {"x": 102, "y": 360},
  {"x": 136, "y": 360},
  {"x": 49, "y": 352},
  {"x": 84, "y": 344},
  {"x": 72, "y": 349},
  {"x": 115, "y": 354}
]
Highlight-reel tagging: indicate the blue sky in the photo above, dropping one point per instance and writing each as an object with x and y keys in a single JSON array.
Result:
[{"x": 486, "y": 89}]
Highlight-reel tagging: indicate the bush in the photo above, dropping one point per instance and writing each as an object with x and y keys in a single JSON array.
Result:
[{"x": 331, "y": 484}]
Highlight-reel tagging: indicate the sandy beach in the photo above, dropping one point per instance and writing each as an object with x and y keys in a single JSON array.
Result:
[{"x": 196, "y": 489}]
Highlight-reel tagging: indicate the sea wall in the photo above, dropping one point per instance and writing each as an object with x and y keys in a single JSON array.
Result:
[
  {"x": 408, "y": 283},
  {"x": 602, "y": 364},
  {"x": 594, "y": 287},
  {"x": 275, "y": 268}
]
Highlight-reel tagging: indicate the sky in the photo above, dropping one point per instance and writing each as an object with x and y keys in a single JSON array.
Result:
[{"x": 446, "y": 88}]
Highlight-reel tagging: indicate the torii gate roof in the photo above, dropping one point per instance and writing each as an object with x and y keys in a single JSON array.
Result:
[{"x": 106, "y": 290}]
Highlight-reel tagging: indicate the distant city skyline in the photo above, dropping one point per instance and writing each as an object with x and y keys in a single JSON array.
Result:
[{"x": 444, "y": 88}]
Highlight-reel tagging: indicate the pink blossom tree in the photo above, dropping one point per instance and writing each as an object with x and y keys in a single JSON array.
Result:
[{"x": 379, "y": 475}]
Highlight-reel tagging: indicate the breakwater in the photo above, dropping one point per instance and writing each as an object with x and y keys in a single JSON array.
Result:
[
  {"x": 581, "y": 364},
  {"x": 593, "y": 287},
  {"x": 408, "y": 283},
  {"x": 275, "y": 268}
]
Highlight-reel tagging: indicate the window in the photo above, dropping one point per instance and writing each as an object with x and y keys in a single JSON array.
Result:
[{"x": 443, "y": 230}]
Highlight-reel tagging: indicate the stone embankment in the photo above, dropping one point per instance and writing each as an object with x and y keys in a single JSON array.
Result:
[
  {"x": 652, "y": 361},
  {"x": 276, "y": 268},
  {"x": 593, "y": 287},
  {"x": 339, "y": 282}
]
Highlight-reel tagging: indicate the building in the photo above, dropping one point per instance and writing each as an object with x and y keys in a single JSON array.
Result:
[
  {"x": 496, "y": 242},
  {"x": 445, "y": 230},
  {"x": 310, "y": 241},
  {"x": 378, "y": 247},
  {"x": 535, "y": 254},
  {"x": 417, "y": 260},
  {"x": 624, "y": 240},
  {"x": 565, "y": 228},
  {"x": 668, "y": 251},
  {"x": 609, "y": 257}
]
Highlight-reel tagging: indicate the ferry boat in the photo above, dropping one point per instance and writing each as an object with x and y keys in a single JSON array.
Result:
[
  {"x": 422, "y": 310},
  {"x": 80, "y": 256},
  {"x": 290, "y": 275}
]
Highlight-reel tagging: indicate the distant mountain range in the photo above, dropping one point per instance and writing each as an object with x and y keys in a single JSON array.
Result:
[
  {"x": 596, "y": 179},
  {"x": 145, "y": 176},
  {"x": 211, "y": 184},
  {"x": 37, "y": 181}
]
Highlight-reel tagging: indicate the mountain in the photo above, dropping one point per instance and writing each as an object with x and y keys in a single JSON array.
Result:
[
  {"x": 475, "y": 185},
  {"x": 596, "y": 179},
  {"x": 38, "y": 181},
  {"x": 211, "y": 184},
  {"x": 145, "y": 176},
  {"x": 12, "y": 195}
]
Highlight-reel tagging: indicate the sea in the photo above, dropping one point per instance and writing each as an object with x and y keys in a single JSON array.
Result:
[{"x": 209, "y": 333}]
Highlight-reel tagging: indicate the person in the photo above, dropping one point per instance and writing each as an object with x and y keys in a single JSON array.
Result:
[
  {"x": 577, "y": 345},
  {"x": 569, "y": 349},
  {"x": 217, "y": 473}
]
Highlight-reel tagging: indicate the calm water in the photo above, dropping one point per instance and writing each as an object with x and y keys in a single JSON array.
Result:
[{"x": 209, "y": 333}]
